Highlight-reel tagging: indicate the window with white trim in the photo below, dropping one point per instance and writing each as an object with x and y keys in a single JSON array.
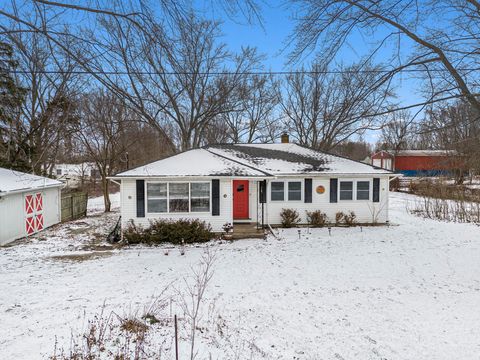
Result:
[
  {"x": 346, "y": 190},
  {"x": 157, "y": 197},
  {"x": 178, "y": 197},
  {"x": 200, "y": 197},
  {"x": 277, "y": 191},
  {"x": 294, "y": 190},
  {"x": 363, "y": 190}
]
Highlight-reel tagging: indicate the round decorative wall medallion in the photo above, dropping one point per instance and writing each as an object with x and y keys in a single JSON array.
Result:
[{"x": 320, "y": 189}]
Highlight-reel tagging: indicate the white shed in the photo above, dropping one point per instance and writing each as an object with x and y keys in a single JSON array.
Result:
[{"x": 28, "y": 204}]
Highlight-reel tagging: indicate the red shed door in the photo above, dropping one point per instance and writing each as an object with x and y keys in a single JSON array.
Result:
[
  {"x": 240, "y": 199},
  {"x": 33, "y": 213}
]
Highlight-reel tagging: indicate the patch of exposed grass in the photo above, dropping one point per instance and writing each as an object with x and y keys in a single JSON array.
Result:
[{"x": 82, "y": 257}]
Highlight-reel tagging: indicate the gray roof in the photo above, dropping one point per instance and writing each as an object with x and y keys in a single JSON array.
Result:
[{"x": 252, "y": 160}]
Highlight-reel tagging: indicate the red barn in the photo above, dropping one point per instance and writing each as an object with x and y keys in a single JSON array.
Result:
[{"x": 418, "y": 162}]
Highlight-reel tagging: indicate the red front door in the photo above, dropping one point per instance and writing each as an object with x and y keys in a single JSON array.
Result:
[{"x": 240, "y": 199}]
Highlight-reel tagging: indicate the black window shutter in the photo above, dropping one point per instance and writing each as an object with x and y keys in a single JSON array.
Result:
[
  {"x": 215, "y": 197},
  {"x": 140, "y": 198},
  {"x": 376, "y": 189},
  {"x": 333, "y": 190},
  {"x": 308, "y": 190},
  {"x": 263, "y": 191}
]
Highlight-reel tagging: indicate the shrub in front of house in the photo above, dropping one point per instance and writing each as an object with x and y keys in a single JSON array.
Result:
[
  {"x": 339, "y": 217},
  {"x": 290, "y": 218},
  {"x": 316, "y": 218},
  {"x": 169, "y": 231},
  {"x": 349, "y": 219}
]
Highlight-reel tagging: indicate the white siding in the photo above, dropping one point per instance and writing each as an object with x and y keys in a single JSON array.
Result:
[
  {"x": 12, "y": 213},
  {"x": 129, "y": 205},
  {"x": 387, "y": 164},
  {"x": 366, "y": 211}
]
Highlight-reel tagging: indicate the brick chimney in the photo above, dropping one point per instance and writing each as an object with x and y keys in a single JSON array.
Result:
[{"x": 284, "y": 138}]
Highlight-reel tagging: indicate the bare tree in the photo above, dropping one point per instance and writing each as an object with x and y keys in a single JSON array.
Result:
[
  {"x": 12, "y": 96},
  {"x": 453, "y": 127},
  {"x": 174, "y": 74},
  {"x": 100, "y": 130},
  {"x": 48, "y": 75},
  {"x": 255, "y": 116},
  {"x": 398, "y": 133},
  {"x": 420, "y": 35},
  {"x": 192, "y": 300},
  {"x": 324, "y": 109},
  {"x": 167, "y": 51},
  {"x": 357, "y": 150}
]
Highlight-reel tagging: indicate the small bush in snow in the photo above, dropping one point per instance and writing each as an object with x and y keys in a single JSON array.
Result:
[
  {"x": 339, "y": 217},
  {"x": 448, "y": 210},
  {"x": 165, "y": 231},
  {"x": 316, "y": 218},
  {"x": 290, "y": 218},
  {"x": 349, "y": 219}
]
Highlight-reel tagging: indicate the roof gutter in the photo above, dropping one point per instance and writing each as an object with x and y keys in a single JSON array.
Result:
[
  {"x": 112, "y": 179},
  {"x": 19, "y": 191},
  {"x": 186, "y": 177}
]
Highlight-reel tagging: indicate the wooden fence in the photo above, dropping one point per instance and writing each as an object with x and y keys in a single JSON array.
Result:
[{"x": 74, "y": 205}]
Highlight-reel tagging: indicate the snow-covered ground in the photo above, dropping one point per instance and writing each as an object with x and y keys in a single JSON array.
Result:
[
  {"x": 97, "y": 205},
  {"x": 408, "y": 291}
]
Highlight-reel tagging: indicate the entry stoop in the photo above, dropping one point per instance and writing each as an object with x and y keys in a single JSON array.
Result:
[{"x": 247, "y": 231}]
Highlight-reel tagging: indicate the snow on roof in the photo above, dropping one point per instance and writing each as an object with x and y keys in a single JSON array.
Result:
[
  {"x": 198, "y": 162},
  {"x": 251, "y": 160},
  {"x": 425, "y": 152},
  {"x": 11, "y": 180},
  {"x": 418, "y": 152},
  {"x": 291, "y": 159}
]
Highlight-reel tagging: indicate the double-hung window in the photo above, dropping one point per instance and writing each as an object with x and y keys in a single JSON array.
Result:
[
  {"x": 156, "y": 197},
  {"x": 363, "y": 190},
  {"x": 346, "y": 190},
  {"x": 178, "y": 195},
  {"x": 294, "y": 190},
  {"x": 278, "y": 191},
  {"x": 200, "y": 197}
]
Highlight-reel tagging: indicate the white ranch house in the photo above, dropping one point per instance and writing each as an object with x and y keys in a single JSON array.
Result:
[
  {"x": 252, "y": 183},
  {"x": 28, "y": 204}
]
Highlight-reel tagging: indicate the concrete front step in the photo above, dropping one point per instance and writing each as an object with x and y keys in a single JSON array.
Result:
[{"x": 243, "y": 231}]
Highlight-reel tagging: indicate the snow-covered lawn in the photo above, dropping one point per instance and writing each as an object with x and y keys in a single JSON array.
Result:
[
  {"x": 96, "y": 205},
  {"x": 408, "y": 291}
]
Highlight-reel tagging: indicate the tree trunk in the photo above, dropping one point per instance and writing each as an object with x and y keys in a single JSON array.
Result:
[{"x": 106, "y": 194}]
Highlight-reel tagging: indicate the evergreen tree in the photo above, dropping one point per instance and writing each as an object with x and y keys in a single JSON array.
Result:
[{"x": 12, "y": 96}]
